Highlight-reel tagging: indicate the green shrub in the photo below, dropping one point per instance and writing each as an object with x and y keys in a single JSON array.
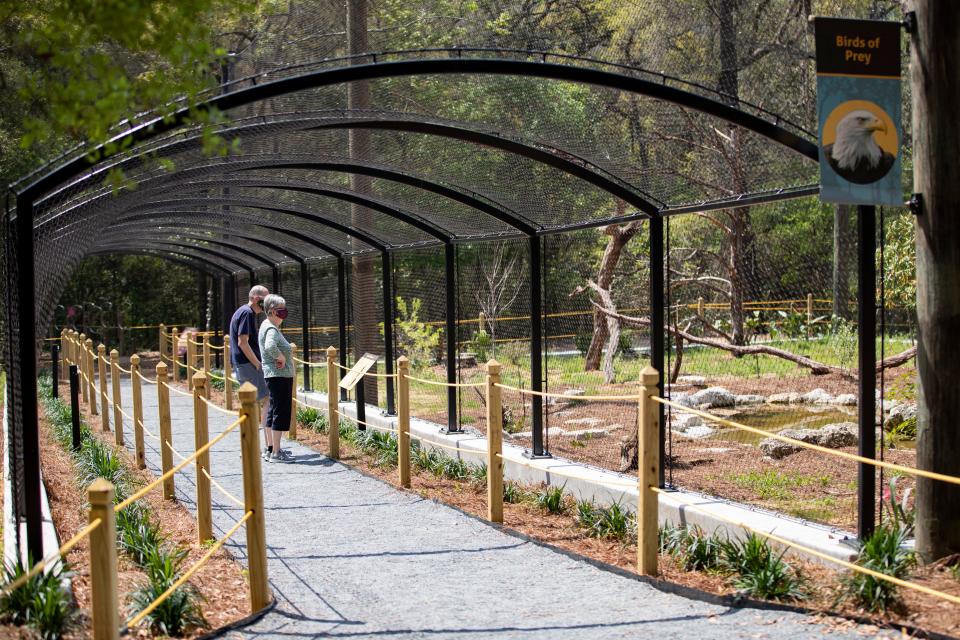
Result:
[
  {"x": 761, "y": 572},
  {"x": 513, "y": 493},
  {"x": 181, "y": 611},
  {"x": 482, "y": 345},
  {"x": 313, "y": 419},
  {"x": 418, "y": 340},
  {"x": 478, "y": 473},
  {"x": 612, "y": 523},
  {"x": 97, "y": 460},
  {"x": 551, "y": 499},
  {"x": 40, "y": 603},
  {"x": 882, "y": 551},
  {"x": 137, "y": 535}
]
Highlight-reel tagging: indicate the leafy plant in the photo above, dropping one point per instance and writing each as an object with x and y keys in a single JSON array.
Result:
[
  {"x": 882, "y": 551},
  {"x": 551, "y": 499},
  {"x": 513, "y": 493},
  {"x": 40, "y": 602},
  {"x": 613, "y": 523},
  {"x": 694, "y": 550},
  {"x": 898, "y": 506},
  {"x": 98, "y": 460},
  {"x": 478, "y": 473},
  {"x": 419, "y": 340},
  {"x": 843, "y": 341},
  {"x": 906, "y": 430},
  {"x": 181, "y": 611},
  {"x": 137, "y": 535},
  {"x": 761, "y": 572},
  {"x": 313, "y": 419},
  {"x": 482, "y": 345}
]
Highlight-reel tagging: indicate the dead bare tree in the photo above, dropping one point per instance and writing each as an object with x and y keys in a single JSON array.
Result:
[{"x": 498, "y": 285}]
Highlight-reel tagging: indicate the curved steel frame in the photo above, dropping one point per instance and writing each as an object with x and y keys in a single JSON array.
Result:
[{"x": 23, "y": 341}]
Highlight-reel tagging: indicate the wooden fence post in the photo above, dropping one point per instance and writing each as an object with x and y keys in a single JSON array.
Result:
[
  {"x": 163, "y": 341},
  {"x": 494, "y": 444},
  {"x": 333, "y": 411},
  {"x": 201, "y": 435},
  {"x": 103, "y": 562},
  {"x": 175, "y": 354},
  {"x": 809, "y": 313},
  {"x": 191, "y": 360},
  {"x": 227, "y": 374},
  {"x": 700, "y": 306},
  {"x": 293, "y": 394},
  {"x": 163, "y": 410},
  {"x": 117, "y": 400},
  {"x": 82, "y": 364},
  {"x": 91, "y": 377},
  {"x": 648, "y": 476},
  {"x": 102, "y": 367},
  {"x": 403, "y": 420},
  {"x": 206, "y": 363},
  {"x": 253, "y": 497},
  {"x": 137, "y": 392}
]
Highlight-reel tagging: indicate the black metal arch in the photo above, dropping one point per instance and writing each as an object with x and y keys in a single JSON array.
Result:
[
  {"x": 184, "y": 249},
  {"x": 172, "y": 242},
  {"x": 174, "y": 235},
  {"x": 200, "y": 264}
]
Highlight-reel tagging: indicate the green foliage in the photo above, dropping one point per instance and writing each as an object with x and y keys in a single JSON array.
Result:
[
  {"x": 761, "y": 572},
  {"x": 582, "y": 341},
  {"x": 416, "y": 339},
  {"x": 313, "y": 419},
  {"x": 381, "y": 445},
  {"x": 843, "y": 342},
  {"x": 513, "y": 493},
  {"x": 482, "y": 345},
  {"x": 775, "y": 485},
  {"x": 900, "y": 263},
  {"x": 882, "y": 551},
  {"x": 137, "y": 535},
  {"x": 40, "y": 603},
  {"x": 180, "y": 612},
  {"x": 898, "y": 506},
  {"x": 551, "y": 498},
  {"x": 906, "y": 430},
  {"x": 606, "y": 523},
  {"x": 98, "y": 460},
  {"x": 694, "y": 550}
]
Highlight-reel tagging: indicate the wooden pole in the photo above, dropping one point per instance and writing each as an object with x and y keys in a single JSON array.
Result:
[
  {"x": 201, "y": 433},
  {"x": 117, "y": 400},
  {"x": 227, "y": 374},
  {"x": 103, "y": 562},
  {"x": 163, "y": 341},
  {"x": 700, "y": 306},
  {"x": 494, "y": 444},
  {"x": 333, "y": 417},
  {"x": 403, "y": 420},
  {"x": 175, "y": 354},
  {"x": 91, "y": 378},
  {"x": 206, "y": 364},
  {"x": 102, "y": 367},
  {"x": 648, "y": 473},
  {"x": 82, "y": 364},
  {"x": 191, "y": 360},
  {"x": 137, "y": 411},
  {"x": 293, "y": 395},
  {"x": 253, "y": 497},
  {"x": 809, "y": 313},
  {"x": 163, "y": 410}
]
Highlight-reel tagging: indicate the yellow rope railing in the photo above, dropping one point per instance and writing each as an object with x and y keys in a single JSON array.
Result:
[
  {"x": 437, "y": 383},
  {"x": 178, "y": 391},
  {"x": 53, "y": 557},
  {"x": 565, "y": 396},
  {"x": 237, "y": 501},
  {"x": 146, "y": 379},
  {"x": 156, "y": 483},
  {"x": 813, "y": 447},
  {"x": 309, "y": 364},
  {"x": 217, "y": 407},
  {"x": 135, "y": 620}
]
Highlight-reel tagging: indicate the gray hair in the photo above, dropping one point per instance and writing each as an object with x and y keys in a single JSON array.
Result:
[
  {"x": 273, "y": 301},
  {"x": 258, "y": 291}
]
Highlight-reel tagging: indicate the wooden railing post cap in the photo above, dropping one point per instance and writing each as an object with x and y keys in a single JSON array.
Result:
[
  {"x": 83, "y": 337},
  {"x": 403, "y": 362},
  {"x": 199, "y": 380},
  {"x": 101, "y": 348},
  {"x": 100, "y": 493},
  {"x": 493, "y": 367},
  {"x": 331, "y": 352},
  {"x": 226, "y": 338},
  {"x": 114, "y": 354},
  {"x": 162, "y": 370},
  {"x": 134, "y": 360},
  {"x": 247, "y": 393},
  {"x": 649, "y": 376}
]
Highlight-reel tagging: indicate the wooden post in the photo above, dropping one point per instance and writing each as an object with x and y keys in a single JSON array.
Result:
[
  {"x": 163, "y": 410},
  {"x": 91, "y": 377},
  {"x": 293, "y": 395},
  {"x": 253, "y": 497},
  {"x": 809, "y": 313},
  {"x": 648, "y": 473},
  {"x": 494, "y": 444},
  {"x": 201, "y": 435},
  {"x": 206, "y": 363},
  {"x": 163, "y": 341},
  {"x": 117, "y": 400},
  {"x": 103, "y": 562},
  {"x": 333, "y": 417},
  {"x": 102, "y": 367},
  {"x": 700, "y": 306},
  {"x": 137, "y": 411},
  {"x": 403, "y": 420},
  {"x": 227, "y": 374},
  {"x": 175, "y": 354},
  {"x": 191, "y": 360},
  {"x": 82, "y": 364}
]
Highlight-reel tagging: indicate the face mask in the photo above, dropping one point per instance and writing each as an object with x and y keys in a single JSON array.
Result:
[{"x": 281, "y": 313}]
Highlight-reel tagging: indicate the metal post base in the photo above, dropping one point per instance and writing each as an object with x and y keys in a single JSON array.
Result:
[{"x": 530, "y": 455}]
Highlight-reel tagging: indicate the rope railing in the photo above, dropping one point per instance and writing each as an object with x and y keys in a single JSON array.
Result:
[
  {"x": 813, "y": 552},
  {"x": 177, "y": 391},
  {"x": 565, "y": 396},
  {"x": 309, "y": 364},
  {"x": 216, "y": 407},
  {"x": 813, "y": 447},
  {"x": 64, "y": 549},
  {"x": 135, "y": 620},
  {"x": 206, "y": 474},
  {"x": 437, "y": 383},
  {"x": 169, "y": 474},
  {"x": 146, "y": 379}
]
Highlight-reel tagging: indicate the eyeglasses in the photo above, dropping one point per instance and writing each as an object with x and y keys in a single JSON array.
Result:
[{"x": 281, "y": 313}]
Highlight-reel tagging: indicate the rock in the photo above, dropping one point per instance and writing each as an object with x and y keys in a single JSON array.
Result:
[
  {"x": 712, "y": 397},
  {"x": 749, "y": 399},
  {"x": 587, "y": 421},
  {"x": 898, "y": 414},
  {"x": 817, "y": 396},
  {"x": 842, "y": 434},
  {"x": 552, "y": 432},
  {"x": 845, "y": 399},
  {"x": 791, "y": 397},
  {"x": 681, "y": 398},
  {"x": 810, "y": 436},
  {"x": 693, "y": 381},
  {"x": 587, "y": 434},
  {"x": 683, "y": 421},
  {"x": 696, "y": 433},
  {"x": 777, "y": 449},
  {"x": 467, "y": 359},
  {"x": 552, "y": 400}
]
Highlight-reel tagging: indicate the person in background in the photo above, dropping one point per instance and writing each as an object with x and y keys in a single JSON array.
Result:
[
  {"x": 279, "y": 373},
  {"x": 245, "y": 353}
]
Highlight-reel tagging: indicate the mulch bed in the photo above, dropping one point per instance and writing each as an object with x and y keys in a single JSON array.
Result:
[{"x": 561, "y": 531}]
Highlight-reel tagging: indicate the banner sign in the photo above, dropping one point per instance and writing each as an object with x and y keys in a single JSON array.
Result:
[{"x": 858, "y": 109}]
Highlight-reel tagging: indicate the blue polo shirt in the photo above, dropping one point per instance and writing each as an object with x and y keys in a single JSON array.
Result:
[{"x": 243, "y": 323}]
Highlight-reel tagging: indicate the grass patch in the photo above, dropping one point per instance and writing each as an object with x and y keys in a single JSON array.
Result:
[
  {"x": 774, "y": 485},
  {"x": 40, "y": 603}
]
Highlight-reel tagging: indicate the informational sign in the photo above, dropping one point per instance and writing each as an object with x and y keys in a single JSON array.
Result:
[
  {"x": 356, "y": 372},
  {"x": 858, "y": 107}
]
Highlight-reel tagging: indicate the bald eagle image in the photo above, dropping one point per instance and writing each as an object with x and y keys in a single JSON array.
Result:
[{"x": 855, "y": 155}]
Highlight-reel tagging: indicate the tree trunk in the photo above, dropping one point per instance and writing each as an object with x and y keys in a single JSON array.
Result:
[
  {"x": 618, "y": 238},
  {"x": 841, "y": 261},
  {"x": 364, "y": 301},
  {"x": 936, "y": 138}
]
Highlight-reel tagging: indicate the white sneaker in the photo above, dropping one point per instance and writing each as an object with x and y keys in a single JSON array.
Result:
[{"x": 266, "y": 454}]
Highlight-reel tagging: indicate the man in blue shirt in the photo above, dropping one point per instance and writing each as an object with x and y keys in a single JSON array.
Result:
[{"x": 245, "y": 351}]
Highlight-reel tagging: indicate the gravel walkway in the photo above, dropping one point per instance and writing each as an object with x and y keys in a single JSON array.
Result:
[{"x": 353, "y": 557}]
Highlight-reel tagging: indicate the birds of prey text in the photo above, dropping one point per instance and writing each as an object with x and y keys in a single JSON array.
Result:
[{"x": 855, "y": 155}]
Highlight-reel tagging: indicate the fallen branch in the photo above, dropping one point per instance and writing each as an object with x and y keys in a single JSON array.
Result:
[{"x": 897, "y": 360}]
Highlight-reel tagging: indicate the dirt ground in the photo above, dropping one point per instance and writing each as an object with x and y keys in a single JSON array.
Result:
[{"x": 561, "y": 531}]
